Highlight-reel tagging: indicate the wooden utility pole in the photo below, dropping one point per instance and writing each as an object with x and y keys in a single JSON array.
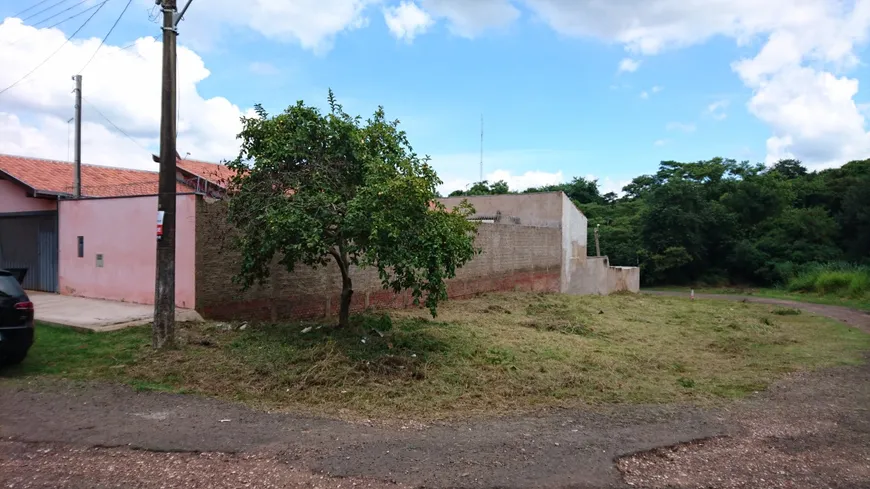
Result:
[
  {"x": 163, "y": 329},
  {"x": 77, "y": 152}
]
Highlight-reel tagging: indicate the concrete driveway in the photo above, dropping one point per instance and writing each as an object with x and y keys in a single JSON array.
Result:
[{"x": 96, "y": 314}]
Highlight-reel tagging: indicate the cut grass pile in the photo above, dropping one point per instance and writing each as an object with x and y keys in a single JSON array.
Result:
[{"x": 494, "y": 354}]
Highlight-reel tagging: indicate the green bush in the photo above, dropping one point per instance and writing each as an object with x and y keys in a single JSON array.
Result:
[
  {"x": 833, "y": 282},
  {"x": 838, "y": 279},
  {"x": 860, "y": 285}
]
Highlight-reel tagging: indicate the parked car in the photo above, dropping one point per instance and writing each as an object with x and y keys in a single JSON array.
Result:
[{"x": 16, "y": 319}]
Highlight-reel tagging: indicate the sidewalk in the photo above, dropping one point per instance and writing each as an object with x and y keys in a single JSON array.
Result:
[{"x": 96, "y": 314}]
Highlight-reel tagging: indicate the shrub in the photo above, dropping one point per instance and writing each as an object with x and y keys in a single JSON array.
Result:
[{"x": 840, "y": 279}]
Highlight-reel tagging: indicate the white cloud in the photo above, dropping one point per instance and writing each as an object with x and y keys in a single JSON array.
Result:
[
  {"x": 809, "y": 108},
  {"x": 407, "y": 21},
  {"x": 608, "y": 184},
  {"x": 660, "y": 142},
  {"x": 651, "y": 26},
  {"x": 813, "y": 115},
  {"x": 680, "y": 126},
  {"x": 527, "y": 179},
  {"x": 461, "y": 169},
  {"x": 628, "y": 65},
  {"x": 717, "y": 109},
  {"x": 647, "y": 93},
  {"x": 122, "y": 84},
  {"x": 469, "y": 18},
  {"x": 313, "y": 24},
  {"x": 50, "y": 137}
]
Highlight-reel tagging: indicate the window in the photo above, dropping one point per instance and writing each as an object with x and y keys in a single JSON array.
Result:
[
  {"x": 9, "y": 286},
  {"x": 81, "y": 246}
]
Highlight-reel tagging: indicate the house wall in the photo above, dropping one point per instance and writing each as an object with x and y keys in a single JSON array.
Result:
[
  {"x": 574, "y": 229},
  {"x": 596, "y": 276},
  {"x": 537, "y": 209},
  {"x": 13, "y": 198},
  {"x": 514, "y": 258},
  {"x": 123, "y": 230}
]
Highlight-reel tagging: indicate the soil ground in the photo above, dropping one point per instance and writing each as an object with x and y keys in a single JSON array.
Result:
[{"x": 810, "y": 430}]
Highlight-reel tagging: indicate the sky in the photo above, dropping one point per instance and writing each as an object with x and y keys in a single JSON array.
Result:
[{"x": 565, "y": 88}]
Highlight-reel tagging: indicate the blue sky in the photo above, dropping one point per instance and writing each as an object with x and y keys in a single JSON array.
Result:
[{"x": 553, "y": 97}]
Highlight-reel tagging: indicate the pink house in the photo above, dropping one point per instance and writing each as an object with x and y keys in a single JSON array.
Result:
[{"x": 102, "y": 245}]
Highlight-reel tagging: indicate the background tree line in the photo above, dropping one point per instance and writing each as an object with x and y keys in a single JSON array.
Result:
[{"x": 720, "y": 221}]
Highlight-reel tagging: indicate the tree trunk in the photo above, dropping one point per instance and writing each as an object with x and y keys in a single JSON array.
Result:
[
  {"x": 346, "y": 288},
  {"x": 346, "y": 294}
]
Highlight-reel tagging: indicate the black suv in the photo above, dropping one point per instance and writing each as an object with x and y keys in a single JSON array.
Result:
[{"x": 16, "y": 319}]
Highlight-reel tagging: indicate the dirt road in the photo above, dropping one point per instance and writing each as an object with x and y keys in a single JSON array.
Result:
[{"x": 811, "y": 430}]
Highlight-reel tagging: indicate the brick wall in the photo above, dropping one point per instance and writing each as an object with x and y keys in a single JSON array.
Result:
[{"x": 514, "y": 258}]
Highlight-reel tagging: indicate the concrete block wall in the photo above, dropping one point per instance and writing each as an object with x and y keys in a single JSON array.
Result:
[
  {"x": 513, "y": 258},
  {"x": 537, "y": 209},
  {"x": 596, "y": 276}
]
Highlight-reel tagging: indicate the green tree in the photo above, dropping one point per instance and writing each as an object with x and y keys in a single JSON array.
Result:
[
  {"x": 578, "y": 189},
  {"x": 313, "y": 187},
  {"x": 499, "y": 188},
  {"x": 801, "y": 236},
  {"x": 721, "y": 220},
  {"x": 855, "y": 220},
  {"x": 483, "y": 188},
  {"x": 789, "y": 169}
]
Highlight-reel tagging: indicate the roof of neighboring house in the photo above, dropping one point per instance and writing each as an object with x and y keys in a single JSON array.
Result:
[
  {"x": 215, "y": 173},
  {"x": 50, "y": 177}
]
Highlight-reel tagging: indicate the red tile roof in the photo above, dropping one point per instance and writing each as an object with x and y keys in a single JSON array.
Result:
[
  {"x": 215, "y": 173},
  {"x": 56, "y": 177}
]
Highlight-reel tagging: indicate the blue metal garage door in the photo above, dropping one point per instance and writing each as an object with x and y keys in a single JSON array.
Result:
[{"x": 29, "y": 240}]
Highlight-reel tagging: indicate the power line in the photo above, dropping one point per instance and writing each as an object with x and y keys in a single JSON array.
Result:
[
  {"x": 60, "y": 22},
  {"x": 55, "y": 52},
  {"x": 137, "y": 143},
  {"x": 106, "y": 36},
  {"x": 133, "y": 44},
  {"x": 37, "y": 4},
  {"x": 58, "y": 13},
  {"x": 43, "y": 10}
]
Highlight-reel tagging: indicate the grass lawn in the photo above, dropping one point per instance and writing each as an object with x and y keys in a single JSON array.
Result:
[
  {"x": 829, "y": 299},
  {"x": 495, "y": 354}
]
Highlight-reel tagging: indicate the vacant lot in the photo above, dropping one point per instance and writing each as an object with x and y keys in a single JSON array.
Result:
[
  {"x": 494, "y": 354},
  {"x": 777, "y": 293}
]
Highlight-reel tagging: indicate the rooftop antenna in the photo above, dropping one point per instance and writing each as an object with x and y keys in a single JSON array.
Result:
[{"x": 481, "y": 147}]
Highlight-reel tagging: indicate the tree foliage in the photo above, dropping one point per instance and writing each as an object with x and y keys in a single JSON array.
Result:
[
  {"x": 721, "y": 220},
  {"x": 312, "y": 188},
  {"x": 483, "y": 188}
]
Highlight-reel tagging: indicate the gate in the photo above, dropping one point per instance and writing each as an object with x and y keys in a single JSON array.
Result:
[{"x": 29, "y": 241}]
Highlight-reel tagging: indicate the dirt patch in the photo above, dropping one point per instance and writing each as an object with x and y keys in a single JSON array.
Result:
[
  {"x": 573, "y": 448},
  {"x": 56, "y": 466},
  {"x": 812, "y": 430}
]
